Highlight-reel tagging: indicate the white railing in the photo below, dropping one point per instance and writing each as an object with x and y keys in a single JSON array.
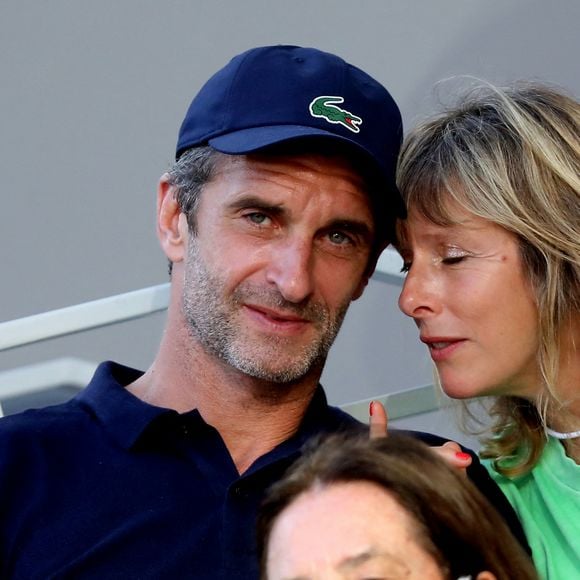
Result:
[
  {"x": 81, "y": 317},
  {"x": 140, "y": 303}
]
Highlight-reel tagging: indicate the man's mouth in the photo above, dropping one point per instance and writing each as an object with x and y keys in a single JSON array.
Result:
[
  {"x": 274, "y": 321},
  {"x": 277, "y": 315}
]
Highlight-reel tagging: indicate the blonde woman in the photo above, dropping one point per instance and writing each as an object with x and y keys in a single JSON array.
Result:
[{"x": 492, "y": 252}]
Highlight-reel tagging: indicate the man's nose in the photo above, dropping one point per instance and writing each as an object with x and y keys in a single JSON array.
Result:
[{"x": 291, "y": 269}]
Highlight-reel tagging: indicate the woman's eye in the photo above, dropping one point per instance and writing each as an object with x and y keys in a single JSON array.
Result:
[
  {"x": 453, "y": 255},
  {"x": 405, "y": 267},
  {"x": 453, "y": 259}
]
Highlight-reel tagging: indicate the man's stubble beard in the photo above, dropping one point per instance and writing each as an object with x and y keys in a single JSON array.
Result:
[{"x": 212, "y": 318}]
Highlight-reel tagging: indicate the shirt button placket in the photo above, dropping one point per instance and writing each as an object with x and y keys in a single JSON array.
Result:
[{"x": 239, "y": 516}]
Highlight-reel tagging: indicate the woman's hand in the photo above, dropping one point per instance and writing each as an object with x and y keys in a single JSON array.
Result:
[
  {"x": 378, "y": 420},
  {"x": 451, "y": 452}
]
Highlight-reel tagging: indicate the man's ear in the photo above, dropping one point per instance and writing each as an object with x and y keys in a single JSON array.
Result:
[{"x": 172, "y": 229}]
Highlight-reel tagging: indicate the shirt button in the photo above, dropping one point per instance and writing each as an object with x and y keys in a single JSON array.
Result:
[{"x": 238, "y": 491}]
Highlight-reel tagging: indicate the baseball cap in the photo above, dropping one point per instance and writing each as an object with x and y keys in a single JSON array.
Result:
[{"x": 271, "y": 95}]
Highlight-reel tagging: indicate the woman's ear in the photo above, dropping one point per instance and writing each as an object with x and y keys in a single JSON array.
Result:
[{"x": 172, "y": 227}]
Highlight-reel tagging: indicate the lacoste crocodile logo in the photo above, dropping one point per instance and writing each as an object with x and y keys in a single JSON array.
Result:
[{"x": 325, "y": 107}]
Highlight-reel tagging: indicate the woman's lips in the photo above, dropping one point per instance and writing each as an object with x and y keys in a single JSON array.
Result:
[{"x": 441, "y": 349}]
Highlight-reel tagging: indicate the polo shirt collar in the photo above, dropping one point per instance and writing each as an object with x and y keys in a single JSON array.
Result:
[{"x": 126, "y": 417}]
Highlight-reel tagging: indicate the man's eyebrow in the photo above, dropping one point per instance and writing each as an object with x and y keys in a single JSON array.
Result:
[
  {"x": 246, "y": 201},
  {"x": 358, "y": 227}
]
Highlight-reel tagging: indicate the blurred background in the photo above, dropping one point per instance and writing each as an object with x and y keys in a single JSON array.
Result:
[{"x": 92, "y": 97}]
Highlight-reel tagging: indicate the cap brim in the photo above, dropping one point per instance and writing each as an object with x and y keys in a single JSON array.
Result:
[{"x": 258, "y": 138}]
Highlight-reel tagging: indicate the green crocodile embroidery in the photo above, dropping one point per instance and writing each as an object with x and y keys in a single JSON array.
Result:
[{"x": 325, "y": 108}]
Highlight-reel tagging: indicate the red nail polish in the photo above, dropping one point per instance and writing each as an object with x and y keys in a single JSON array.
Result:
[
  {"x": 462, "y": 456},
  {"x": 371, "y": 408}
]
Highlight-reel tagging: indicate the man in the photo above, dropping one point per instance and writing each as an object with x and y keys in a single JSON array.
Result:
[{"x": 272, "y": 218}]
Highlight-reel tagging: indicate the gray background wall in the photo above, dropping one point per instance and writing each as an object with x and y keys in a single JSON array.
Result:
[{"x": 91, "y": 99}]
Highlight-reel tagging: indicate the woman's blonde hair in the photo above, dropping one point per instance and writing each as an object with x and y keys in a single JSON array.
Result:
[{"x": 511, "y": 156}]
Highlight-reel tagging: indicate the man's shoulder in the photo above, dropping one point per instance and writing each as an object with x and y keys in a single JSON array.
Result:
[
  {"x": 45, "y": 423},
  {"x": 339, "y": 418},
  {"x": 60, "y": 421}
]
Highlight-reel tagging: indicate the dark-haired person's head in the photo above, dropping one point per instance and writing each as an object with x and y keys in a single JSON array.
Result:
[{"x": 382, "y": 508}]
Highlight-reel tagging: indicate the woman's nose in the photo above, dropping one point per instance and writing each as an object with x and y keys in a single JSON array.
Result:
[{"x": 418, "y": 296}]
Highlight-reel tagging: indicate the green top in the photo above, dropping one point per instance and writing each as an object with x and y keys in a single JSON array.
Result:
[{"x": 547, "y": 501}]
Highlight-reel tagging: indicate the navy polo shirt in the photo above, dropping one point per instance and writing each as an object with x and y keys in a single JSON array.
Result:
[{"x": 106, "y": 486}]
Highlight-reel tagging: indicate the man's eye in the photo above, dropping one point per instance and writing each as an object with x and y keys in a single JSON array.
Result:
[
  {"x": 339, "y": 238},
  {"x": 257, "y": 218}
]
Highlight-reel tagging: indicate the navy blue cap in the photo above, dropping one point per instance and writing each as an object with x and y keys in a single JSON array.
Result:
[{"x": 277, "y": 94}]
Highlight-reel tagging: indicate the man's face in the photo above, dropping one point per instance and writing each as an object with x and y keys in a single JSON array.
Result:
[{"x": 281, "y": 248}]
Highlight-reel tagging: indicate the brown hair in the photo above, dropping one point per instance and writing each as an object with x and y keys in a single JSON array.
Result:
[
  {"x": 511, "y": 156},
  {"x": 455, "y": 523}
]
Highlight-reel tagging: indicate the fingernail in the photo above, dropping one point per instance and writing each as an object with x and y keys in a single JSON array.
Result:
[
  {"x": 462, "y": 456},
  {"x": 371, "y": 408}
]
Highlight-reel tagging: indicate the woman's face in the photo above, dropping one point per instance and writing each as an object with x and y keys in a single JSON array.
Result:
[
  {"x": 468, "y": 292},
  {"x": 347, "y": 531}
]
